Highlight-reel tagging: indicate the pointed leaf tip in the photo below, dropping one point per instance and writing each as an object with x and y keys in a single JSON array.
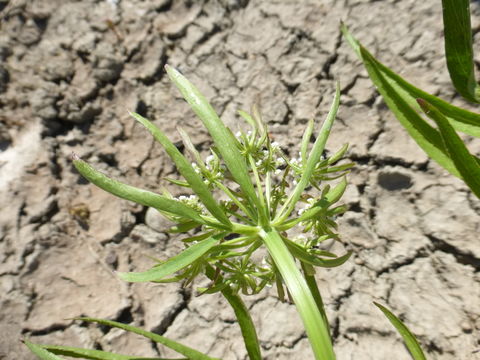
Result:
[{"x": 74, "y": 157}]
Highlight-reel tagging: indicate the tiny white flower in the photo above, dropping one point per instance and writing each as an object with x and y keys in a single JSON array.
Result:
[
  {"x": 209, "y": 159},
  {"x": 258, "y": 163},
  {"x": 277, "y": 171},
  {"x": 238, "y": 134}
]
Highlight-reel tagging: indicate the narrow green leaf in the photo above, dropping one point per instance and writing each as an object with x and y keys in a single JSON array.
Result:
[
  {"x": 462, "y": 120},
  {"x": 40, "y": 352},
  {"x": 410, "y": 340},
  {"x": 300, "y": 253},
  {"x": 92, "y": 354},
  {"x": 242, "y": 314},
  {"x": 427, "y": 137},
  {"x": 458, "y": 47},
  {"x": 305, "y": 141},
  {"x": 247, "y": 118},
  {"x": 317, "y": 331},
  {"x": 174, "y": 264},
  {"x": 127, "y": 192},
  {"x": 313, "y": 159},
  {"x": 186, "y": 169},
  {"x": 465, "y": 162},
  {"x": 222, "y": 137},
  {"x": 190, "y": 147},
  {"x": 179, "y": 348}
]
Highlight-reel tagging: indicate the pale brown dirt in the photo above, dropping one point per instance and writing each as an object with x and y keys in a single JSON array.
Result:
[{"x": 67, "y": 80}]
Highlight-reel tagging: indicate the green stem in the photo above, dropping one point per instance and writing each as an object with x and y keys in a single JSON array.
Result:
[
  {"x": 243, "y": 317},
  {"x": 312, "y": 285},
  {"x": 303, "y": 298}
]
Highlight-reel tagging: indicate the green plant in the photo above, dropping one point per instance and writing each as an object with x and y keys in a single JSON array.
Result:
[
  {"x": 442, "y": 143},
  {"x": 265, "y": 207}
]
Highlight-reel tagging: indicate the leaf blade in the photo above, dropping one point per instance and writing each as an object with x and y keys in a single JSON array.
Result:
[
  {"x": 179, "y": 348},
  {"x": 127, "y": 192},
  {"x": 221, "y": 135},
  {"x": 186, "y": 169},
  {"x": 40, "y": 352},
  {"x": 458, "y": 47},
  {"x": 427, "y": 137},
  {"x": 410, "y": 340},
  {"x": 313, "y": 158},
  {"x": 173, "y": 264},
  {"x": 463, "y": 160},
  {"x": 461, "y": 119},
  {"x": 91, "y": 353}
]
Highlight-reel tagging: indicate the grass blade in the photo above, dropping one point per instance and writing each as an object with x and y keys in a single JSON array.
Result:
[
  {"x": 313, "y": 159},
  {"x": 41, "y": 352},
  {"x": 410, "y": 340},
  {"x": 462, "y": 120},
  {"x": 187, "y": 171},
  {"x": 91, "y": 354},
  {"x": 173, "y": 264},
  {"x": 464, "y": 161},
  {"x": 221, "y": 135},
  {"x": 179, "y": 348},
  {"x": 317, "y": 331},
  {"x": 127, "y": 192},
  {"x": 458, "y": 47}
]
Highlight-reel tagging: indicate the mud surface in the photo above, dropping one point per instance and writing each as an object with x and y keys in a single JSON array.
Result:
[{"x": 70, "y": 70}]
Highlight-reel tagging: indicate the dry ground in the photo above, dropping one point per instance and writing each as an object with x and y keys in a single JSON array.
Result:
[{"x": 70, "y": 70}]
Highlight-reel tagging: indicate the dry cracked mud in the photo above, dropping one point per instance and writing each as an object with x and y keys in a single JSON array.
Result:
[{"x": 70, "y": 70}]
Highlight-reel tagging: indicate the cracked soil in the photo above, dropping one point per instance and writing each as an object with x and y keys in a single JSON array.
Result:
[{"x": 70, "y": 70}]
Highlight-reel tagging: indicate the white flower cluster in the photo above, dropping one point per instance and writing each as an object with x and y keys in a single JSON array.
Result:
[{"x": 193, "y": 202}]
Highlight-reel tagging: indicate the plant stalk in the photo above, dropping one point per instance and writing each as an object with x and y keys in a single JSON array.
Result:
[{"x": 315, "y": 326}]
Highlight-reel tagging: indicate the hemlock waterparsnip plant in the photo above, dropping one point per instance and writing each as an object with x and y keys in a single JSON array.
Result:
[{"x": 248, "y": 197}]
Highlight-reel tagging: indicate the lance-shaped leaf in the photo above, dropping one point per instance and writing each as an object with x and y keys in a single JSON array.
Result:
[
  {"x": 462, "y": 120},
  {"x": 426, "y": 136},
  {"x": 410, "y": 340},
  {"x": 127, "y": 192},
  {"x": 313, "y": 159},
  {"x": 458, "y": 47},
  {"x": 187, "y": 171},
  {"x": 464, "y": 161},
  {"x": 221, "y": 135},
  {"x": 174, "y": 264},
  {"x": 76, "y": 352},
  {"x": 179, "y": 348},
  {"x": 41, "y": 352}
]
